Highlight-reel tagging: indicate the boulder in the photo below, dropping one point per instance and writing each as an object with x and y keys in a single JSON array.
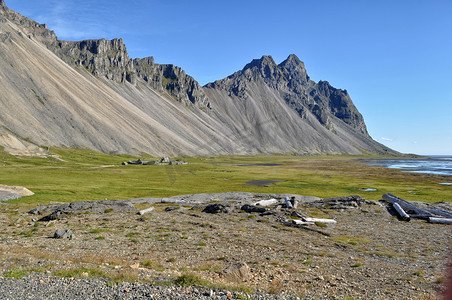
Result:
[
  {"x": 215, "y": 208},
  {"x": 251, "y": 208},
  {"x": 56, "y": 215},
  {"x": 63, "y": 234},
  {"x": 237, "y": 272},
  {"x": 346, "y": 202}
]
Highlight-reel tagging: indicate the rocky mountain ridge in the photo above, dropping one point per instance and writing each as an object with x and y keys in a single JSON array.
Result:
[
  {"x": 91, "y": 94},
  {"x": 299, "y": 91},
  {"x": 110, "y": 59}
]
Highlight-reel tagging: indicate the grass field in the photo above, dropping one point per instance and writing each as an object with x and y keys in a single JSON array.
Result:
[{"x": 88, "y": 175}]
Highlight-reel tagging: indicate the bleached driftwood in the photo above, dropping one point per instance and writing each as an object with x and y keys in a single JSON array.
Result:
[
  {"x": 439, "y": 220},
  {"x": 288, "y": 203},
  {"x": 403, "y": 215},
  {"x": 407, "y": 207},
  {"x": 300, "y": 222},
  {"x": 145, "y": 211},
  {"x": 317, "y": 220},
  {"x": 266, "y": 202}
]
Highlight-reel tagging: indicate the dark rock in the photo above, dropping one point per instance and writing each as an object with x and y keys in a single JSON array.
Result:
[
  {"x": 97, "y": 206},
  {"x": 171, "y": 208},
  {"x": 56, "y": 215},
  {"x": 251, "y": 208},
  {"x": 64, "y": 210},
  {"x": 63, "y": 234},
  {"x": 215, "y": 208},
  {"x": 37, "y": 210},
  {"x": 340, "y": 202},
  {"x": 135, "y": 162}
]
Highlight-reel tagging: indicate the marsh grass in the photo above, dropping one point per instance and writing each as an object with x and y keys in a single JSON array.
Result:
[
  {"x": 82, "y": 174},
  {"x": 15, "y": 273}
]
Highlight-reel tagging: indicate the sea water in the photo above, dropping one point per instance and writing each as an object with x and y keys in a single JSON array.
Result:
[{"x": 435, "y": 164}]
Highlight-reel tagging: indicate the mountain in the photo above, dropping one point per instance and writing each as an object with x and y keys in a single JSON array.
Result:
[{"x": 91, "y": 94}]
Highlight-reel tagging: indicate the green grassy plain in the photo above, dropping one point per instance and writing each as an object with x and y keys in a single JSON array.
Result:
[{"x": 88, "y": 175}]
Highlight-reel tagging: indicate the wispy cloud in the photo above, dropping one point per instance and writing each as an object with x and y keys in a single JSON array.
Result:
[
  {"x": 386, "y": 139},
  {"x": 77, "y": 20}
]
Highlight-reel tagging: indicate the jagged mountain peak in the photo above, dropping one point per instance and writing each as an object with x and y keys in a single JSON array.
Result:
[
  {"x": 292, "y": 62},
  {"x": 292, "y": 59},
  {"x": 295, "y": 68},
  {"x": 265, "y": 60}
]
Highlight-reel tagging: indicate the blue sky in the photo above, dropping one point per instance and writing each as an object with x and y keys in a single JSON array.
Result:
[{"x": 393, "y": 57}]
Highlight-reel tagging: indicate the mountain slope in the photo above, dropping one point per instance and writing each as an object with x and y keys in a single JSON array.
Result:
[
  {"x": 48, "y": 102},
  {"x": 91, "y": 94},
  {"x": 287, "y": 111}
]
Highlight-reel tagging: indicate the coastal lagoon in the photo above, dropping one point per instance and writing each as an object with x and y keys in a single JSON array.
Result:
[{"x": 435, "y": 164}]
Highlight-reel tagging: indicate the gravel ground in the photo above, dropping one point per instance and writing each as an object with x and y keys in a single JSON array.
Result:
[
  {"x": 38, "y": 286},
  {"x": 368, "y": 254}
]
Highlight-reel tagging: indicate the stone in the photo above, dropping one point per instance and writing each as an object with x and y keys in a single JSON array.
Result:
[
  {"x": 63, "y": 234},
  {"x": 346, "y": 202},
  {"x": 215, "y": 208},
  {"x": 101, "y": 206},
  {"x": 171, "y": 208},
  {"x": 251, "y": 208},
  {"x": 56, "y": 215},
  {"x": 237, "y": 272}
]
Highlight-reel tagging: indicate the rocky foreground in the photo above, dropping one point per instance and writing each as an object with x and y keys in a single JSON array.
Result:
[{"x": 220, "y": 246}]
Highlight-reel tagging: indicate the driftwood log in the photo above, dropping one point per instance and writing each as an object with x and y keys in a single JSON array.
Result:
[
  {"x": 403, "y": 215},
  {"x": 317, "y": 220},
  {"x": 300, "y": 222},
  {"x": 440, "y": 220},
  {"x": 266, "y": 202},
  {"x": 145, "y": 211},
  {"x": 288, "y": 203},
  {"x": 409, "y": 208}
]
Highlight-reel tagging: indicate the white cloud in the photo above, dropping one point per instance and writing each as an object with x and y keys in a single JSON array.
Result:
[
  {"x": 386, "y": 139},
  {"x": 74, "y": 21}
]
